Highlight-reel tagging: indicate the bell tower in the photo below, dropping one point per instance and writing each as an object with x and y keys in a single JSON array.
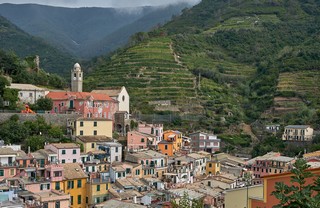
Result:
[{"x": 76, "y": 78}]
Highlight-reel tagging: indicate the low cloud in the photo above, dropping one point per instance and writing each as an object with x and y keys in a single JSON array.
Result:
[{"x": 102, "y": 3}]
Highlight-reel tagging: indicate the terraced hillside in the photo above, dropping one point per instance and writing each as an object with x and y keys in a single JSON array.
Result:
[
  {"x": 234, "y": 57},
  {"x": 151, "y": 73},
  {"x": 302, "y": 88}
]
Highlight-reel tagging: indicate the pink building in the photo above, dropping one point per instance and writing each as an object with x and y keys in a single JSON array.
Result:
[
  {"x": 67, "y": 152},
  {"x": 86, "y": 103},
  {"x": 204, "y": 142},
  {"x": 153, "y": 129},
  {"x": 54, "y": 172},
  {"x": 138, "y": 140},
  {"x": 8, "y": 165},
  {"x": 270, "y": 163}
]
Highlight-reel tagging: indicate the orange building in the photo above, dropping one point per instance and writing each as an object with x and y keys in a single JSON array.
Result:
[
  {"x": 171, "y": 143},
  {"x": 269, "y": 183}
]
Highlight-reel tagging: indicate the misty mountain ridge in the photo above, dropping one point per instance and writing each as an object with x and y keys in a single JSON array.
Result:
[{"x": 87, "y": 32}]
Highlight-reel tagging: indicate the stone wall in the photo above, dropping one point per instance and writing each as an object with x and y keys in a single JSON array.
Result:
[{"x": 56, "y": 119}]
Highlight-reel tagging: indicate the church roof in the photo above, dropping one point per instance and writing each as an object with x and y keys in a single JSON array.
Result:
[
  {"x": 111, "y": 91},
  {"x": 78, "y": 96}
]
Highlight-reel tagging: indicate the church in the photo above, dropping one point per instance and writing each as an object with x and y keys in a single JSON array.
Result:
[{"x": 88, "y": 104}]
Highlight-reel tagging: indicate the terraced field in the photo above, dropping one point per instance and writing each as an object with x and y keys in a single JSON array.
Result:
[
  {"x": 245, "y": 22},
  {"x": 150, "y": 73},
  {"x": 304, "y": 84}
]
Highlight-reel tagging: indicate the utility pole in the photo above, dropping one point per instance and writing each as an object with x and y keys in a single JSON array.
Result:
[{"x": 199, "y": 83}]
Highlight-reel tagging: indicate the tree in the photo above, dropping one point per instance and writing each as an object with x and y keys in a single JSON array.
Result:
[
  {"x": 35, "y": 142},
  {"x": 298, "y": 194},
  {"x": 186, "y": 202},
  {"x": 44, "y": 104}
]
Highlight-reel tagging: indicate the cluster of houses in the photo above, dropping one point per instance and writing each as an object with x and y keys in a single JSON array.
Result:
[{"x": 150, "y": 169}]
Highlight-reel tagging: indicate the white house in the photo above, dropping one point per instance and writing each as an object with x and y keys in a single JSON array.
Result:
[
  {"x": 117, "y": 172},
  {"x": 118, "y": 93},
  {"x": 28, "y": 93},
  {"x": 113, "y": 150}
]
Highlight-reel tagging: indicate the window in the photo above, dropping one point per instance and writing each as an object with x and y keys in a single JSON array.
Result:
[
  {"x": 137, "y": 172},
  {"x": 30, "y": 94},
  {"x": 57, "y": 186},
  {"x": 71, "y": 200},
  {"x": 94, "y": 123},
  {"x": 11, "y": 171},
  {"x": 210, "y": 165},
  {"x": 70, "y": 184},
  {"x": 95, "y": 132},
  {"x": 142, "y": 139},
  {"x": 81, "y": 123},
  {"x": 107, "y": 186},
  {"x": 128, "y": 170},
  {"x": 45, "y": 205},
  {"x": 79, "y": 184},
  {"x": 165, "y": 147},
  {"x": 74, "y": 152},
  {"x": 63, "y": 152},
  {"x": 98, "y": 187},
  {"x": 57, "y": 204},
  {"x": 81, "y": 132},
  {"x": 63, "y": 161},
  {"x": 79, "y": 199},
  {"x": 87, "y": 199},
  {"x": 116, "y": 149},
  {"x": 119, "y": 175},
  {"x": 92, "y": 145}
]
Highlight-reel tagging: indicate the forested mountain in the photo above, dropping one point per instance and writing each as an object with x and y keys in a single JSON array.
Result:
[
  {"x": 229, "y": 61},
  {"x": 87, "y": 32},
  {"x": 14, "y": 39}
]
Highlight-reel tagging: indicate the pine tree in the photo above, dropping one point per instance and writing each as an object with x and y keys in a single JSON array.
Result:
[{"x": 298, "y": 194}]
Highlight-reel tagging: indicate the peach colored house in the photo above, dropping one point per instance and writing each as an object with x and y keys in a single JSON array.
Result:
[
  {"x": 269, "y": 182},
  {"x": 153, "y": 129},
  {"x": 67, "y": 152},
  {"x": 138, "y": 140},
  {"x": 85, "y": 103},
  {"x": 8, "y": 166}
]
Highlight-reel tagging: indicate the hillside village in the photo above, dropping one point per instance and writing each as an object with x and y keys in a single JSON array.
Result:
[
  {"x": 216, "y": 108},
  {"x": 151, "y": 167}
]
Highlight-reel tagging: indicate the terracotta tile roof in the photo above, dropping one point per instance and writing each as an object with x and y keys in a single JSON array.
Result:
[
  {"x": 112, "y": 91},
  {"x": 7, "y": 151},
  {"x": 78, "y": 96},
  {"x": 94, "y": 138},
  {"x": 73, "y": 171},
  {"x": 65, "y": 145},
  {"x": 312, "y": 154}
]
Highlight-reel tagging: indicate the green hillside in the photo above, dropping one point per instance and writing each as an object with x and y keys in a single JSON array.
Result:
[
  {"x": 243, "y": 52},
  {"x": 14, "y": 39}
]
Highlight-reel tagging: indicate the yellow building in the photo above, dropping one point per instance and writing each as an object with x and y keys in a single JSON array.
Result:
[
  {"x": 90, "y": 142},
  {"x": 97, "y": 191},
  {"x": 175, "y": 137},
  {"x": 91, "y": 127},
  {"x": 239, "y": 197},
  {"x": 213, "y": 167},
  {"x": 74, "y": 183}
]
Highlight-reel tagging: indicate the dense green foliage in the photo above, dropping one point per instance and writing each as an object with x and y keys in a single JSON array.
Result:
[
  {"x": 44, "y": 104},
  {"x": 24, "y": 71},
  {"x": 298, "y": 193},
  {"x": 30, "y": 133}
]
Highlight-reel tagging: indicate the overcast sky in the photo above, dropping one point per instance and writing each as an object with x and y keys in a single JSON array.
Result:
[{"x": 100, "y": 3}]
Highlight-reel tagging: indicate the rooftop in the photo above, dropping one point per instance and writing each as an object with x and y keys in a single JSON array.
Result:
[
  {"x": 73, "y": 171},
  {"x": 79, "y": 96},
  {"x": 92, "y": 119},
  {"x": 65, "y": 145},
  {"x": 112, "y": 91},
  {"x": 25, "y": 87},
  {"x": 297, "y": 126},
  {"x": 94, "y": 138},
  {"x": 196, "y": 156},
  {"x": 7, "y": 151}
]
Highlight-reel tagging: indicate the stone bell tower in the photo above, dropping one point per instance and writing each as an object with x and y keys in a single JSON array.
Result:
[{"x": 76, "y": 78}]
